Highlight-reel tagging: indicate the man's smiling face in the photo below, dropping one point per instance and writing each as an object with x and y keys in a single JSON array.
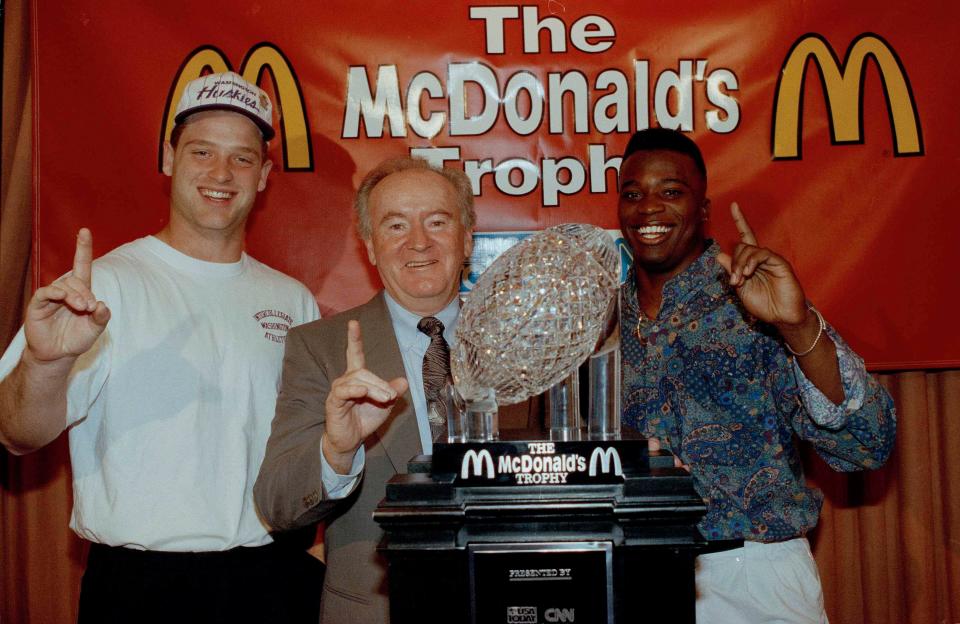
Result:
[
  {"x": 662, "y": 210},
  {"x": 418, "y": 242},
  {"x": 218, "y": 167}
]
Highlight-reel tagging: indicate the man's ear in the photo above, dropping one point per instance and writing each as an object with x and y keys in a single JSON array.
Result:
[
  {"x": 467, "y": 245},
  {"x": 168, "y": 153},
  {"x": 705, "y": 209},
  {"x": 371, "y": 255},
  {"x": 264, "y": 172}
]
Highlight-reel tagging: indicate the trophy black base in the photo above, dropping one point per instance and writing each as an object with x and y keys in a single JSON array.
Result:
[{"x": 532, "y": 531}]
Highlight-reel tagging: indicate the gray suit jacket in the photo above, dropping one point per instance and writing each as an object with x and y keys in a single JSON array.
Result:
[{"x": 289, "y": 490}]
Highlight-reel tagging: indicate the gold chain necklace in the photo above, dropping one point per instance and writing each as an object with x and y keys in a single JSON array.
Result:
[{"x": 641, "y": 317}]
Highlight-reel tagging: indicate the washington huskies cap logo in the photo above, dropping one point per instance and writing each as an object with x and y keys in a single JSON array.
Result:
[{"x": 227, "y": 91}]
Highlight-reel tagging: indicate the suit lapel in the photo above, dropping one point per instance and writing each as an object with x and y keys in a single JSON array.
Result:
[{"x": 399, "y": 434}]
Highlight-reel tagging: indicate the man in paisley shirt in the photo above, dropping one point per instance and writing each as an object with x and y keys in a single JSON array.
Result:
[{"x": 726, "y": 364}]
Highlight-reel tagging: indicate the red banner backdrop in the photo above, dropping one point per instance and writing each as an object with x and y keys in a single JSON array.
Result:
[{"x": 832, "y": 124}]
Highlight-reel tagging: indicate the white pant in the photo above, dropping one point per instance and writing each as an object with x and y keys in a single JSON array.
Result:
[{"x": 774, "y": 583}]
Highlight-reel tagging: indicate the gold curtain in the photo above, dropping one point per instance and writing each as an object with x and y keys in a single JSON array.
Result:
[
  {"x": 40, "y": 559},
  {"x": 888, "y": 544}
]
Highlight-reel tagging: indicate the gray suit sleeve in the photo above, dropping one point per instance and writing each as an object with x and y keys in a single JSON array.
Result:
[{"x": 289, "y": 490}]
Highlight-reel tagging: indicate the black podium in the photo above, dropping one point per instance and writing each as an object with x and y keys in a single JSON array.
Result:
[{"x": 532, "y": 531}]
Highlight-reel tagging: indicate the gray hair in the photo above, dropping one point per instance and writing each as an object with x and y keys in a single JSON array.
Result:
[{"x": 457, "y": 179}]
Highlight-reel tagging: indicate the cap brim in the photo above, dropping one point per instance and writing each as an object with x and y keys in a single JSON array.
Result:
[{"x": 265, "y": 129}]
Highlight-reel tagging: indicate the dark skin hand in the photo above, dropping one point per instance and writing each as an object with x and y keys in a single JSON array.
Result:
[{"x": 771, "y": 292}]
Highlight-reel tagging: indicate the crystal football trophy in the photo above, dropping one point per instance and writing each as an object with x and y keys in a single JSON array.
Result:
[{"x": 534, "y": 316}]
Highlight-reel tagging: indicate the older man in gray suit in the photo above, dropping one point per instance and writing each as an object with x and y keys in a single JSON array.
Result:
[{"x": 341, "y": 429}]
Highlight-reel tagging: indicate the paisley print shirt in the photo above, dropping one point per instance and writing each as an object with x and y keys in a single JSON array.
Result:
[{"x": 718, "y": 388}]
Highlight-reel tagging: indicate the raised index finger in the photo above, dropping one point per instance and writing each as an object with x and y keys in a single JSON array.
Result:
[
  {"x": 746, "y": 234},
  {"x": 83, "y": 256},
  {"x": 355, "y": 358}
]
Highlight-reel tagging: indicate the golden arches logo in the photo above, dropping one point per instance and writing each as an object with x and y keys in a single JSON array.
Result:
[
  {"x": 843, "y": 90},
  {"x": 294, "y": 130}
]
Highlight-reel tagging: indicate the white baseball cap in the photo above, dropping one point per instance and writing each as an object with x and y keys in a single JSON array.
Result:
[{"x": 227, "y": 91}]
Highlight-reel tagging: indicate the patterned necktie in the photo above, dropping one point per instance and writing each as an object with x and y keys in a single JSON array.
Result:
[{"x": 436, "y": 369}]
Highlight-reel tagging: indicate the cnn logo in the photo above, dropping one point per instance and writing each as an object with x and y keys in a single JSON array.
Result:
[{"x": 559, "y": 615}]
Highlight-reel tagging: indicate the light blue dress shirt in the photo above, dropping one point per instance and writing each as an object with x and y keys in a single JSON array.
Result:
[{"x": 413, "y": 345}]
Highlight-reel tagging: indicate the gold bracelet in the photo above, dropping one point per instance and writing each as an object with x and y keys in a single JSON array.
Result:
[{"x": 816, "y": 340}]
